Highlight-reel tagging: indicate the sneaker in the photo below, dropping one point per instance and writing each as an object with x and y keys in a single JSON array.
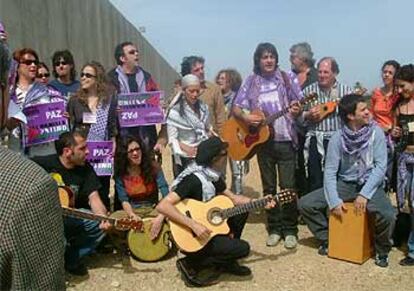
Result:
[
  {"x": 236, "y": 269},
  {"x": 381, "y": 261},
  {"x": 407, "y": 261},
  {"x": 79, "y": 270},
  {"x": 273, "y": 239},
  {"x": 291, "y": 241},
  {"x": 323, "y": 249}
]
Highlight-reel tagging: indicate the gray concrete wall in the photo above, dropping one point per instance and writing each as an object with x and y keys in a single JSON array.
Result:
[{"x": 90, "y": 29}]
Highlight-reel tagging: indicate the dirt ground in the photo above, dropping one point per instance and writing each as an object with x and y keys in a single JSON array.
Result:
[{"x": 273, "y": 268}]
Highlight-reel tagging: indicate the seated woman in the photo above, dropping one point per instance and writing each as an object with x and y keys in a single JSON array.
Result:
[{"x": 138, "y": 178}]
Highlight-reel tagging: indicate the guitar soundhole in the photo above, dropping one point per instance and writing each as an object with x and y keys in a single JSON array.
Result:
[
  {"x": 253, "y": 130},
  {"x": 214, "y": 216}
]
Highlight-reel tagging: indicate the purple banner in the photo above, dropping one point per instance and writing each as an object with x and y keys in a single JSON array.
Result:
[
  {"x": 140, "y": 109},
  {"x": 100, "y": 157},
  {"x": 45, "y": 122}
]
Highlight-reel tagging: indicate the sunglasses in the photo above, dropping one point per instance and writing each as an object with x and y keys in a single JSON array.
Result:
[
  {"x": 131, "y": 151},
  {"x": 45, "y": 75},
  {"x": 87, "y": 75},
  {"x": 29, "y": 62},
  {"x": 63, "y": 63}
]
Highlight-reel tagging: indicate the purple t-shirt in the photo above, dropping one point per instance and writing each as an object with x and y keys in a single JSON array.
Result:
[{"x": 271, "y": 95}]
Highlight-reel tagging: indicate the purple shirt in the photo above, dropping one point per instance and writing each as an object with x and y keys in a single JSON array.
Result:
[{"x": 271, "y": 95}]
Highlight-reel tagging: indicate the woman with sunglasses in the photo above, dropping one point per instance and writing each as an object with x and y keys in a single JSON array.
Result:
[
  {"x": 188, "y": 124},
  {"x": 138, "y": 180},
  {"x": 93, "y": 110},
  {"x": 26, "y": 92},
  {"x": 43, "y": 74}
]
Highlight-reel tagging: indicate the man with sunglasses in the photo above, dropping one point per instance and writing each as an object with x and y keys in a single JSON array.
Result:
[
  {"x": 65, "y": 73},
  {"x": 201, "y": 181},
  {"x": 129, "y": 77}
]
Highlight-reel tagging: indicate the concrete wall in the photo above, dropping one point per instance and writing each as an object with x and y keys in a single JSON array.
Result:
[{"x": 90, "y": 29}]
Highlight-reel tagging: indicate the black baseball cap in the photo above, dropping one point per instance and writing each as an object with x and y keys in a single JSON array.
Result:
[{"x": 209, "y": 149}]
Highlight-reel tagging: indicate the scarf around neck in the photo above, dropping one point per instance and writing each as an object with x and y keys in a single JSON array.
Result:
[
  {"x": 190, "y": 120},
  {"x": 98, "y": 130},
  {"x": 206, "y": 176},
  {"x": 357, "y": 144},
  {"x": 123, "y": 80}
]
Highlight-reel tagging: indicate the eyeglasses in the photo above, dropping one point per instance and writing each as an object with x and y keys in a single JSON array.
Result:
[
  {"x": 87, "y": 75},
  {"x": 29, "y": 62},
  {"x": 131, "y": 151},
  {"x": 63, "y": 63},
  {"x": 133, "y": 52},
  {"x": 45, "y": 75}
]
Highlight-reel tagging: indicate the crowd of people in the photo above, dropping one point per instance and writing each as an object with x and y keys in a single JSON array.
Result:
[{"x": 360, "y": 150}]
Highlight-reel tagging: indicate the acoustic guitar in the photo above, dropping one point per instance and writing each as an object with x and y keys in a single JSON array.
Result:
[
  {"x": 243, "y": 139},
  {"x": 327, "y": 108},
  {"x": 213, "y": 214},
  {"x": 123, "y": 224}
]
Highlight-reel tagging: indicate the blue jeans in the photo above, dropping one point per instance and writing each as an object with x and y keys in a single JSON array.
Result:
[
  {"x": 410, "y": 245},
  {"x": 81, "y": 238}
]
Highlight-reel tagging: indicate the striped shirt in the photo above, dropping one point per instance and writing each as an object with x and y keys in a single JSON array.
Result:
[{"x": 332, "y": 122}]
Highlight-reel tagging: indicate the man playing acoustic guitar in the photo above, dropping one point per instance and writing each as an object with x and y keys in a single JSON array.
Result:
[
  {"x": 202, "y": 181},
  {"x": 271, "y": 90},
  {"x": 82, "y": 236}
]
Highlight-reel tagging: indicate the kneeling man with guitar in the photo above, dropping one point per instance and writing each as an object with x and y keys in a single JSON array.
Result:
[{"x": 202, "y": 234}]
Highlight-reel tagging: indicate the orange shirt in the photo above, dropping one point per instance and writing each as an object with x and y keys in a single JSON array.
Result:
[{"x": 381, "y": 108}]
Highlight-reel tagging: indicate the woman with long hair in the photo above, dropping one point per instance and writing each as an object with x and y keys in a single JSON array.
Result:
[
  {"x": 138, "y": 180},
  {"x": 93, "y": 109},
  {"x": 384, "y": 98},
  {"x": 229, "y": 81},
  {"x": 188, "y": 124},
  {"x": 403, "y": 132}
]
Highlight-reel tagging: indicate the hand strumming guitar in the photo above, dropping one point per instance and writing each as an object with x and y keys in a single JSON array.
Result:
[
  {"x": 295, "y": 109},
  {"x": 314, "y": 114},
  {"x": 252, "y": 119},
  {"x": 200, "y": 230}
]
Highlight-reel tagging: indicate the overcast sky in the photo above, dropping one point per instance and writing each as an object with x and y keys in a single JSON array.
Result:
[{"x": 361, "y": 35}]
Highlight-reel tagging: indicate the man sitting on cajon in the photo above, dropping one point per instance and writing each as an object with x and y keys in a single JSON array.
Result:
[{"x": 354, "y": 171}]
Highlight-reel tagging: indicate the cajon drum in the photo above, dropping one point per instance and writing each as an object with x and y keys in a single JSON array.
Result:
[{"x": 350, "y": 239}]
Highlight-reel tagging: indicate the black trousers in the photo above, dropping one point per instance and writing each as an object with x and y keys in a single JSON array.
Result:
[
  {"x": 315, "y": 173},
  {"x": 222, "y": 249},
  {"x": 282, "y": 220}
]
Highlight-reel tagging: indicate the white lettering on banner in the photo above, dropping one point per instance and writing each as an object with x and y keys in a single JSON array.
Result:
[
  {"x": 103, "y": 166},
  {"x": 129, "y": 115},
  {"x": 101, "y": 152},
  {"x": 54, "y": 114},
  {"x": 131, "y": 102},
  {"x": 53, "y": 129}
]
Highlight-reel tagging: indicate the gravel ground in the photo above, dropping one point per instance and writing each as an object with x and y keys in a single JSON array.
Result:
[{"x": 273, "y": 268}]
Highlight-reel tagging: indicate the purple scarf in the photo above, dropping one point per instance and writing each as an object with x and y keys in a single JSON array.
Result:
[
  {"x": 123, "y": 80},
  {"x": 35, "y": 92},
  {"x": 404, "y": 160},
  {"x": 356, "y": 143}
]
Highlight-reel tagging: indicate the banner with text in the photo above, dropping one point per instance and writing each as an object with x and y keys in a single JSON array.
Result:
[
  {"x": 137, "y": 109},
  {"x": 45, "y": 122},
  {"x": 100, "y": 157}
]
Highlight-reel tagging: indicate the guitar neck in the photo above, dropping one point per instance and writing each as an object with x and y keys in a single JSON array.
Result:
[
  {"x": 71, "y": 212},
  {"x": 240, "y": 209}
]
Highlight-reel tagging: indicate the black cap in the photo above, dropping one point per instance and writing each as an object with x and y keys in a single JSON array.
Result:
[{"x": 209, "y": 149}]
